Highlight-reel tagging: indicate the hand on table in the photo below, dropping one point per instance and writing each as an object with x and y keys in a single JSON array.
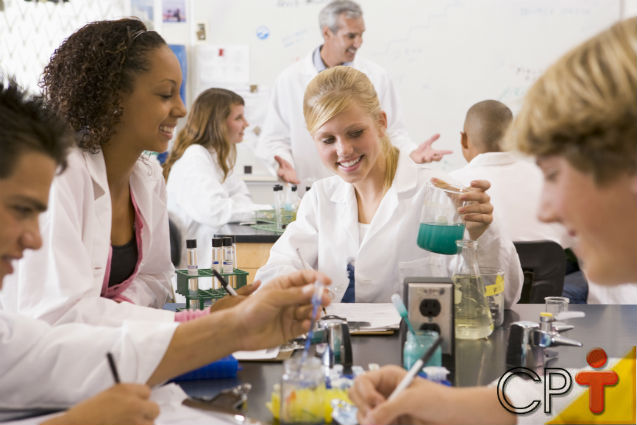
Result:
[
  {"x": 120, "y": 404},
  {"x": 420, "y": 403}
]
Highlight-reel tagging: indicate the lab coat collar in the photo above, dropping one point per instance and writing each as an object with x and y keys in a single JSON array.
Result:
[
  {"x": 97, "y": 169},
  {"x": 492, "y": 158},
  {"x": 310, "y": 70}
]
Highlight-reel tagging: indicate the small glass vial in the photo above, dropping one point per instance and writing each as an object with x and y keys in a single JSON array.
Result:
[
  {"x": 193, "y": 270},
  {"x": 417, "y": 345},
  {"x": 228, "y": 256},
  {"x": 303, "y": 395},
  {"x": 217, "y": 259}
]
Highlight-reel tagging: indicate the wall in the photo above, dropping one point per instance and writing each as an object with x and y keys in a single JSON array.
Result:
[
  {"x": 443, "y": 55},
  {"x": 31, "y": 31}
]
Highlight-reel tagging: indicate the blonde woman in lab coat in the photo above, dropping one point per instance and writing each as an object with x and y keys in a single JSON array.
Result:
[
  {"x": 370, "y": 209},
  {"x": 106, "y": 251},
  {"x": 203, "y": 191}
]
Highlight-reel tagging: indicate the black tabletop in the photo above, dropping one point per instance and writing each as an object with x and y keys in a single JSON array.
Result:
[
  {"x": 477, "y": 362},
  {"x": 246, "y": 234}
]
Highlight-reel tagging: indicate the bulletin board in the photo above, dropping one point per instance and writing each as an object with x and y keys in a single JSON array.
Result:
[{"x": 443, "y": 55}]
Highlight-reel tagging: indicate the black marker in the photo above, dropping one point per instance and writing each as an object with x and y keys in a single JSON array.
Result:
[
  {"x": 224, "y": 283},
  {"x": 111, "y": 363}
]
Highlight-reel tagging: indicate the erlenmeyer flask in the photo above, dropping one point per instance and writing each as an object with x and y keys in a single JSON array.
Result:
[{"x": 473, "y": 317}]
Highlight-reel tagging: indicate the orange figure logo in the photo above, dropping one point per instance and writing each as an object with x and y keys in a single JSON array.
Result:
[{"x": 596, "y": 380}]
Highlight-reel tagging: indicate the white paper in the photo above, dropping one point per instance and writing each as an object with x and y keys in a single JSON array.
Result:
[
  {"x": 381, "y": 316},
  {"x": 267, "y": 354}
]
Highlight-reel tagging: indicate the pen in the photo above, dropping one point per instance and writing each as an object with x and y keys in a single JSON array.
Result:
[
  {"x": 224, "y": 283},
  {"x": 415, "y": 369},
  {"x": 111, "y": 363}
]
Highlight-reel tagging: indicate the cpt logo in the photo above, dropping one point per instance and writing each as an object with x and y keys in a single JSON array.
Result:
[{"x": 558, "y": 381}]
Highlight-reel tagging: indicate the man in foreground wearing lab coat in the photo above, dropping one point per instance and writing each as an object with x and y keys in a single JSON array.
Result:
[
  {"x": 285, "y": 144},
  {"x": 55, "y": 367}
]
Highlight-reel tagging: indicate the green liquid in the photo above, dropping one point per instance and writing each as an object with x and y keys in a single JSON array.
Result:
[{"x": 440, "y": 238}]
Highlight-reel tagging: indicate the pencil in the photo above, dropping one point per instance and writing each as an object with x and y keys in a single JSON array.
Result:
[
  {"x": 111, "y": 363},
  {"x": 224, "y": 283}
]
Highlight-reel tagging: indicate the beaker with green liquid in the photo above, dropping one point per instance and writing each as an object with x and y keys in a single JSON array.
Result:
[{"x": 440, "y": 224}]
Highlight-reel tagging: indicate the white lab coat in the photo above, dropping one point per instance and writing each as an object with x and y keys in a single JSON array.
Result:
[
  {"x": 326, "y": 235},
  {"x": 44, "y": 366},
  {"x": 200, "y": 201},
  {"x": 516, "y": 187},
  {"x": 62, "y": 281},
  {"x": 284, "y": 131}
]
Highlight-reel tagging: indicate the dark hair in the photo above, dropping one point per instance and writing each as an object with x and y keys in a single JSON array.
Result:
[
  {"x": 28, "y": 126},
  {"x": 88, "y": 73}
]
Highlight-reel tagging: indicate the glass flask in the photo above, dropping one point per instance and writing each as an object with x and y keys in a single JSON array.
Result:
[
  {"x": 473, "y": 316},
  {"x": 440, "y": 224},
  {"x": 303, "y": 392}
]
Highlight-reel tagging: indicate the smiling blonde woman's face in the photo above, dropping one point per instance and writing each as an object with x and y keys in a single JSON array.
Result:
[
  {"x": 602, "y": 219},
  {"x": 349, "y": 144}
]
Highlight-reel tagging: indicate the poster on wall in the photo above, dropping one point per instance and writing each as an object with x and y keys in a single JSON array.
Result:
[
  {"x": 144, "y": 10},
  {"x": 174, "y": 10}
]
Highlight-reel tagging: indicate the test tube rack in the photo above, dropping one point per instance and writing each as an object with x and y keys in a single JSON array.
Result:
[{"x": 239, "y": 276}]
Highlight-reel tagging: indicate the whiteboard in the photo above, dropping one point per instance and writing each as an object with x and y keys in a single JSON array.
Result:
[{"x": 443, "y": 55}]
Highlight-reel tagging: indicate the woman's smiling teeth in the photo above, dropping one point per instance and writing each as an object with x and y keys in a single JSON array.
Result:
[
  {"x": 167, "y": 130},
  {"x": 349, "y": 164}
]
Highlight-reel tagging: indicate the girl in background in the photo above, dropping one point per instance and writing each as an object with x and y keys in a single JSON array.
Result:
[{"x": 203, "y": 192}]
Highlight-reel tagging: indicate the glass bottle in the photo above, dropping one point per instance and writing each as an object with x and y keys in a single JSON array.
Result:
[
  {"x": 303, "y": 397},
  {"x": 473, "y": 316}
]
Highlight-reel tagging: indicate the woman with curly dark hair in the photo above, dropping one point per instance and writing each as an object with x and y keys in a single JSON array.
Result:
[{"x": 106, "y": 253}]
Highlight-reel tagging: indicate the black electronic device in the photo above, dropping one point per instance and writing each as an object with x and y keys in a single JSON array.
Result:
[{"x": 430, "y": 306}]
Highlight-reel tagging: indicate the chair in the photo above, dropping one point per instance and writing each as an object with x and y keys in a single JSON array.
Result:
[
  {"x": 544, "y": 265},
  {"x": 175, "y": 243}
]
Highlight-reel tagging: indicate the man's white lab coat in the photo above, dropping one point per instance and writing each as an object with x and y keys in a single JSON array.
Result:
[
  {"x": 326, "y": 235},
  {"x": 62, "y": 281},
  {"x": 284, "y": 131},
  {"x": 44, "y": 366}
]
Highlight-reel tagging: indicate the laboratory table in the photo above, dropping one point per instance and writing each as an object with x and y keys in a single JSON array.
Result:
[{"x": 612, "y": 327}]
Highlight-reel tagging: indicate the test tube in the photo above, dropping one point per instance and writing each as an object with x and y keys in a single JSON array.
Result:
[
  {"x": 228, "y": 255},
  {"x": 217, "y": 259},
  {"x": 193, "y": 270}
]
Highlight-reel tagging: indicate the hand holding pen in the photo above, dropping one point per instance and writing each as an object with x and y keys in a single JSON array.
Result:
[{"x": 306, "y": 266}]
